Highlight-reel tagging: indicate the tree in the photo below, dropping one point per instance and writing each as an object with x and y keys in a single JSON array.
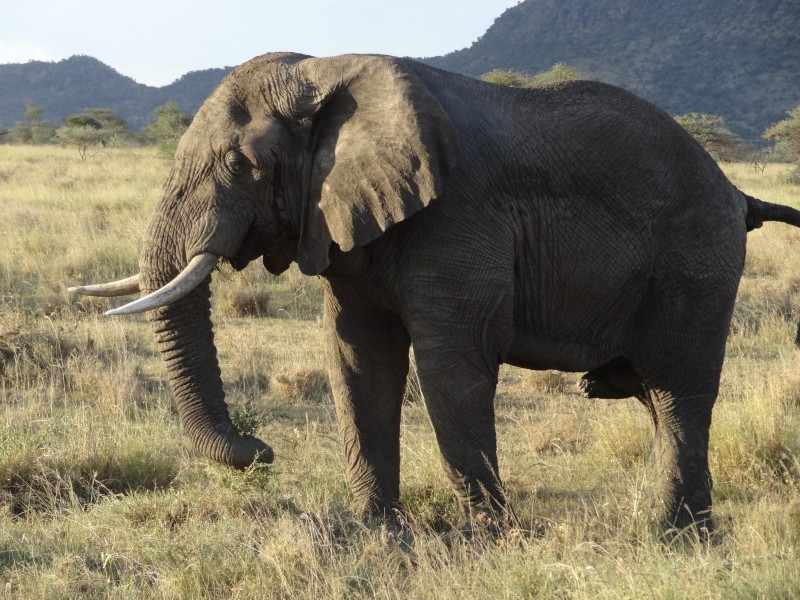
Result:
[
  {"x": 81, "y": 131},
  {"x": 508, "y": 78},
  {"x": 81, "y": 121},
  {"x": 94, "y": 126},
  {"x": 786, "y": 134},
  {"x": 114, "y": 125},
  {"x": 712, "y": 134},
  {"x": 168, "y": 127},
  {"x": 558, "y": 73},
  {"x": 34, "y": 129}
]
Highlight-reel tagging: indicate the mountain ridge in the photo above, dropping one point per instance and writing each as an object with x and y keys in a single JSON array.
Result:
[
  {"x": 733, "y": 58},
  {"x": 70, "y": 85}
]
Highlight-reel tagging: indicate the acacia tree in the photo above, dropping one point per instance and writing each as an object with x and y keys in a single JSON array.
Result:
[
  {"x": 80, "y": 131},
  {"x": 34, "y": 129},
  {"x": 712, "y": 134},
  {"x": 168, "y": 127},
  {"x": 786, "y": 134},
  {"x": 110, "y": 122},
  {"x": 92, "y": 127},
  {"x": 558, "y": 73}
]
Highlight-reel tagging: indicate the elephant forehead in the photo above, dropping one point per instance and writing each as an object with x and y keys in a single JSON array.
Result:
[{"x": 223, "y": 111}]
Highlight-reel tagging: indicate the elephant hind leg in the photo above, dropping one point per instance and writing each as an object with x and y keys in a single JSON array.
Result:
[
  {"x": 679, "y": 351},
  {"x": 615, "y": 379},
  {"x": 682, "y": 423}
]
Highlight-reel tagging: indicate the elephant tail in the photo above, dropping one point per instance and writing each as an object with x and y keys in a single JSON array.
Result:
[{"x": 759, "y": 211}]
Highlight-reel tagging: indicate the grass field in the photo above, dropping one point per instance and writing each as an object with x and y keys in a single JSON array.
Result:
[{"x": 101, "y": 496}]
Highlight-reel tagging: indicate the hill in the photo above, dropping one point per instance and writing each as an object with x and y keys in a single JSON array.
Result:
[
  {"x": 66, "y": 87},
  {"x": 736, "y": 58}
]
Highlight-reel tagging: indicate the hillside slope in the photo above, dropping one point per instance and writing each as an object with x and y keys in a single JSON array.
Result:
[
  {"x": 66, "y": 87},
  {"x": 736, "y": 58}
]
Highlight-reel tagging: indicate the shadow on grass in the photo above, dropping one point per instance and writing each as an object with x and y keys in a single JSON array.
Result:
[{"x": 43, "y": 488}]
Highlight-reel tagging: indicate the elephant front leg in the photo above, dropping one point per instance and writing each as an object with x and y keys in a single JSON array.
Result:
[
  {"x": 459, "y": 392},
  {"x": 367, "y": 354}
]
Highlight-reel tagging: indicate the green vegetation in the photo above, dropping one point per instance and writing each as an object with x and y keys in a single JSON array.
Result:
[
  {"x": 95, "y": 126},
  {"x": 711, "y": 132},
  {"x": 101, "y": 496},
  {"x": 34, "y": 129},
  {"x": 786, "y": 133},
  {"x": 100, "y": 127},
  {"x": 558, "y": 73},
  {"x": 167, "y": 127}
]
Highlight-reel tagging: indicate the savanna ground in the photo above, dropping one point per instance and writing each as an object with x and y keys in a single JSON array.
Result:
[{"x": 101, "y": 495}]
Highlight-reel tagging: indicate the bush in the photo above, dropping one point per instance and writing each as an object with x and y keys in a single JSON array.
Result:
[{"x": 167, "y": 128}]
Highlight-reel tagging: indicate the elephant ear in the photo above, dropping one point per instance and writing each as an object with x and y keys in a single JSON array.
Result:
[{"x": 382, "y": 149}]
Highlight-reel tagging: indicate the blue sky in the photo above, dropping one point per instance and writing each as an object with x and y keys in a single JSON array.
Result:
[{"x": 155, "y": 42}]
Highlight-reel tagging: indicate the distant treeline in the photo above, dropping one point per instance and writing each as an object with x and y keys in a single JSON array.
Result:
[
  {"x": 99, "y": 127},
  {"x": 103, "y": 126}
]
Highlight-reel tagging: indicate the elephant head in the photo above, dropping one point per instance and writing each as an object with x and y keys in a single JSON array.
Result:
[{"x": 288, "y": 157}]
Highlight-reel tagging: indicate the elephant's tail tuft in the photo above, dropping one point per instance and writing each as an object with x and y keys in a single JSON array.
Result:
[{"x": 759, "y": 211}]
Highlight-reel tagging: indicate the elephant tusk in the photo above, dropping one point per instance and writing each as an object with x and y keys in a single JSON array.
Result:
[
  {"x": 193, "y": 275},
  {"x": 123, "y": 287}
]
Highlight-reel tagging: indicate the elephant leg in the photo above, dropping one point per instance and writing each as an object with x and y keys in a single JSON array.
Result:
[
  {"x": 367, "y": 355},
  {"x": 458, "y": 380},
  {"x": 679, "y": 356},
  {"x": 682, "y": 423}
]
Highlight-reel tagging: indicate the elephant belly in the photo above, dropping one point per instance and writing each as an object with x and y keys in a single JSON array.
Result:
[
  {"x": 576, "y": 323},
  {"x": 576, "y": 332},
  {"x": 538, "y": 353},
  {"x": 577, "y": 289}
]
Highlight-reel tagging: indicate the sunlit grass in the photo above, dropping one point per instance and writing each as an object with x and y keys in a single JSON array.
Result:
[{"x": 101, "y": 496}]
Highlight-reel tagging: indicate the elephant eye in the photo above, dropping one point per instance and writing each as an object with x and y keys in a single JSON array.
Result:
[{"x": 235, "y": 162}]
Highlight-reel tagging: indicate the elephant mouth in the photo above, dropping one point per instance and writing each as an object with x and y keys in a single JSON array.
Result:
[{"x": 278, "y": 250}]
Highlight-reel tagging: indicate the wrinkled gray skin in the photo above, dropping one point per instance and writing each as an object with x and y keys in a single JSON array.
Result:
[{"x": 574, "y": 228}]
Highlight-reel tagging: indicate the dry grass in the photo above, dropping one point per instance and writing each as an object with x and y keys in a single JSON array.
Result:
[
  {"x": 101, "y": 496},
  {"x": 305, "y": 385}
]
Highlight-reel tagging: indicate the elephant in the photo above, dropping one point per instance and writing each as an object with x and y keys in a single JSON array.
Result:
[{"x": 573, "y": 227}]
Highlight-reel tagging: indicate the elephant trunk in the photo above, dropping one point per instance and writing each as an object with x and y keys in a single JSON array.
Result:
[
  {"x": 185, "y": 338},
  {"x": 186, "y": 341}
]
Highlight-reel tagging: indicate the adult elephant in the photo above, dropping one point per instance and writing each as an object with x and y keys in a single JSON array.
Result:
[{"x": 574, "y": 227}]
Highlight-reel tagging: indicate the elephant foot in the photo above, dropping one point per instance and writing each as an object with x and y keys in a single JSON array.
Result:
[
  {"x": 688, "y": 528},
  {"x": 480, "y": 526},
  {"x": 390, "y": 522},
  {"x": 390, "y": 515},
  {"x": 614, "y": 380},
  {"x": 685, "y": 521}
]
